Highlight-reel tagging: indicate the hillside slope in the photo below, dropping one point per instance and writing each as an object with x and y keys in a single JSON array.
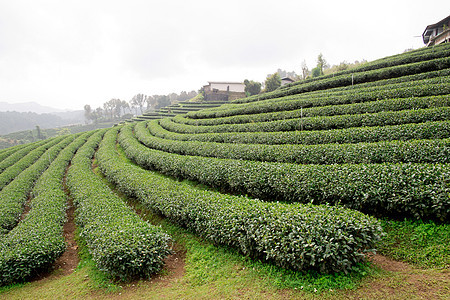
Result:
[{"x": 295, "y": 178}]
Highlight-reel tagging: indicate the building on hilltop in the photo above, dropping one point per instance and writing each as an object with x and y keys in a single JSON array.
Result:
[
  {"x": 223, "y": 91},
  {"x": 286, "y": 80},
  {"x": 438, "y": 33}
]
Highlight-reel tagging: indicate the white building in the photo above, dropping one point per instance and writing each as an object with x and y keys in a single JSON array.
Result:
[{"x": 237, "y": 87}]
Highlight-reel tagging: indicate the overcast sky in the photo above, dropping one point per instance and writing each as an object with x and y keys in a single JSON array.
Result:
[{"x": 66, "y": 54}]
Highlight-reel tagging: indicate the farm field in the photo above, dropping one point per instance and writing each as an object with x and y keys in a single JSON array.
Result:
[{"x": 286, "y": 194}]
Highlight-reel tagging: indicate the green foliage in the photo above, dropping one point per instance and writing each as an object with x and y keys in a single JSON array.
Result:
[
  {"x": 252, "y": 87},
  {"x": 289, "y": 235},
  {"x": 38, "y": 240},
  {"x": 425, "y": 244},
  {"x": 416, "y": 151},
  {"x": 119, "y": 241},
  {"x": 419, "y": 88},
  {"x": 382, "y": 118},
  {"x": 15, "y": 194},
  {"x": 316, "y": 72},
  {"x": 290, "y": 109},
  {"x": 17, "y": 153},
  {"x": 17, "y": 167},
  {"x": 272, "y": 82},
  {"x": 427, "y": 130},
  {"x": 323, "y": 83},
  {"x": 413, "y": 190}
]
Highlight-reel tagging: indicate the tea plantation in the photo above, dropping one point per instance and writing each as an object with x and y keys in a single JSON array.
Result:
[{"x": 298, "y": 177}]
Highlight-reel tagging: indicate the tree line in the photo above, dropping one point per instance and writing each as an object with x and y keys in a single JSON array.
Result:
[
  {"x": 273, "y": 81},
  {"x": 116, "y": 109}
]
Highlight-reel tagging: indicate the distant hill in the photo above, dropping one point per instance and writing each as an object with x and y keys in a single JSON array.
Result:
[
  {"x": 28, "y": 107},
  {"x": 26, "y": 116}
]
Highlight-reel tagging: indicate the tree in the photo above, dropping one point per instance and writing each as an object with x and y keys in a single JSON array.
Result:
[
  {"x": 40, "y": 136},
  {"x": 125, "y": 106},
  {"x": 161, "y": 101},
  {"x": 272, "y": 82},
  {"x": 151, "y": 101},
  {"x": 316, "y": 72},
  {"x": 321, "y": 63},
  {"x": 87, "y": 113},
  {"x": 305, "y": 70},
  {"x": 138, "y": 101},
  {"x": 97, "y": 115},
  {"x": 252, "y": 87},
  {"x": 109, "y": 108}
]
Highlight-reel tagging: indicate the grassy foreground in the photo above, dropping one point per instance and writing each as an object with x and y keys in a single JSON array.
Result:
[{"x": 201, "y": 270}]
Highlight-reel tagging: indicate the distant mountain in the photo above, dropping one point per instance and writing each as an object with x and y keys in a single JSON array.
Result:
[
  {"x": 28, "y": 107},
  {"x": 26, "y": 116}
]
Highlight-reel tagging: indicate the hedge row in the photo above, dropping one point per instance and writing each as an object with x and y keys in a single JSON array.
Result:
[
  {"x": 416, "y": 151},
  {"x": 393, "y": 190},
  {"x": 319, "y": 123},
  {"x": 120, "y": 242},
  {"x": 356, "y": 78},
  {"x": 328, "y": 98},
  {"x": 37, "y": 241},
  {"x": 404, "y": 132},
  {"x": 396, "y": 104},
  {"x": 418, "y": 55},
  {"x": 14, "y": 170},
  {"x": 6, "y": 152},
  {"x": 15, "y": 194},
  {"x": 15, "y": 156},
  {"x": 329, "y": 239}
]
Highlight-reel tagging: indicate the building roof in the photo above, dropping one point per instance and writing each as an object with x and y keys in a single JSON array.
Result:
[
  {"x": 426, "y": 33},
  {"x": 225, "y": 82}
]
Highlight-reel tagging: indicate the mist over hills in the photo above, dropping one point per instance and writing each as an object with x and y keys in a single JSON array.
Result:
[{"x": 26, "y": 116}]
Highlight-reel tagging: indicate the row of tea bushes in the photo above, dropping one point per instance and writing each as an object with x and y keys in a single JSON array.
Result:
[
  {"x": 404, "y": 132},
  {"x": 37, "y": 241},
  {"x": 415, "y": 56},
  {"x": 14, "y": 196},
  {"x": 11, "y": 172},
  {"x": 17, "y": 153},
  {"x": 6, "y": 152},
  {"x": 395, "y": 104},
  {"x": 361, "y": 77},
  {"x": 415, "y": 151},
  {"x": 319, "y": 123},
  {"x": 394, "y": 190},
  {"x": 120, "y": 242},
  {"x": 431, "y": 87},
  {"x": 325, "y": 238}
]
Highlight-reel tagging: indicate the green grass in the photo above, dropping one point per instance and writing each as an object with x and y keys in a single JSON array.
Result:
[
  {"x": 424, "y": 244},
  {"x": 207, "y": 263}
]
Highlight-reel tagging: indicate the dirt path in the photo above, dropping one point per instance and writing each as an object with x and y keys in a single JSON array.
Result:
[
  {"x": 69, "y": 260},
  {"x": 403, "y": 281}
]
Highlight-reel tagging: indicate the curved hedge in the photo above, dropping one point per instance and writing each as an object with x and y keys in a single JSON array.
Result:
[
  {"x": 416, "y": 151},
  {"x": 329, "y": 239},
  {"x": 120, "y": 242},
  {"x": 404, "y": 132},
  {"x": 395, "y": 104},
  {"x": 15, "y": 194},
  {"x": 37, "y": 241},
  {"x": 393, "y": 190},
  {"x": 14, "y": 170},
  {"x": 320, "y": 123},
  {"x": 346, "y": 79},
  {"x": 418, "y": 55},
  {"x": 17, "y": 153},
  {"x": 430, "y": 87}
]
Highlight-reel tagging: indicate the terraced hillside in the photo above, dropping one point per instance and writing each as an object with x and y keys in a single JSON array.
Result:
[{"x": 296, "y": 177}]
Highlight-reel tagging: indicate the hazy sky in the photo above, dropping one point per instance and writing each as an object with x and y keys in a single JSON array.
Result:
[{"x": 66, "y": 54}]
